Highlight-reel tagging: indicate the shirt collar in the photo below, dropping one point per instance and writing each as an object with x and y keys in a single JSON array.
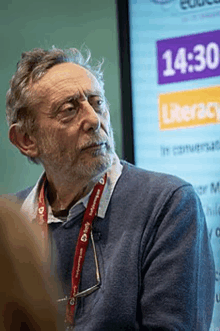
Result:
[{"x": 30, "y": 205}]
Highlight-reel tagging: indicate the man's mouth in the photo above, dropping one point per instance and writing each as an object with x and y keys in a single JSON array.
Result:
[{"x": 97, "y": 145}]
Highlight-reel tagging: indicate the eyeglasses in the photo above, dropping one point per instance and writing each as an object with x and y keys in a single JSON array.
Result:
[{"x": 91, "y": 289}]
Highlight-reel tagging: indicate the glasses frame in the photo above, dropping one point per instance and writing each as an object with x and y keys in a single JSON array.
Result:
[{"x": 92, "y": 289}]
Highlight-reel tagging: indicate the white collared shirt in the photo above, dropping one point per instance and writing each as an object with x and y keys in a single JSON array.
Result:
[{"x": 30, "y": 205}]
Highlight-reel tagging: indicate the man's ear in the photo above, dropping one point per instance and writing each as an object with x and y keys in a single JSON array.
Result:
[{"x": 26, "y": 143}]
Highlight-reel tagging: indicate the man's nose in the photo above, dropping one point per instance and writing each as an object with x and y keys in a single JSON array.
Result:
[{"x": 91, "y": 120}]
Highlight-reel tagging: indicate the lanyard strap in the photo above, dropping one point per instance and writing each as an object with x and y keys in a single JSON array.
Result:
[
  {"x": 82, "y": 241},
  {"x": 42, "y": 219},
  {"x": 42, "y": 209},
  {"x": 82, "y": 244}
]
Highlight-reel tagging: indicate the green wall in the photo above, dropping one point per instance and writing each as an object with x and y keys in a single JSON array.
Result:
[{"x": 27, "y": 24}]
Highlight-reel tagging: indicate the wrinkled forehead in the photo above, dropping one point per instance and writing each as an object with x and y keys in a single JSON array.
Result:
[{"x": 67, "y": 74}]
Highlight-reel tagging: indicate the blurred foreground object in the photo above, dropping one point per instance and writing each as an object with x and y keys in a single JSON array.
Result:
[{"x": 25, "y": 289}]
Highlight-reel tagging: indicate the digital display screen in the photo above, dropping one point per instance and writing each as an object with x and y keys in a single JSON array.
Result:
[{"x": 175, "y": 75}]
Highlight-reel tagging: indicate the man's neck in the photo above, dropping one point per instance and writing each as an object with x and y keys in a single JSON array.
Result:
[{"x": 62, "y": 194}]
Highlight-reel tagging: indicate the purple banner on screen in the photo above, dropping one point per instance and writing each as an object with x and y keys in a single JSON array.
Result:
[{"x": 190, "y": 57}]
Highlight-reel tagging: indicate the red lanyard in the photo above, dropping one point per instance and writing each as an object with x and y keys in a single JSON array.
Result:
[
  {"x": 83, "y": 238},
  {"x": 42, "y": 219}
]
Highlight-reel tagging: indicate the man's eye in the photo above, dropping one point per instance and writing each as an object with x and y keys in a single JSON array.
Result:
[
  {"x": 67, "y": 113},
  {"x": 100, "y": 102},
  {"x": 68, "y": 110},
  {"x": 97, "y": 104}
]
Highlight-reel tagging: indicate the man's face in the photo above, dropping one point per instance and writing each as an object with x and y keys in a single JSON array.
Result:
[{"x": 74, "y": 134}]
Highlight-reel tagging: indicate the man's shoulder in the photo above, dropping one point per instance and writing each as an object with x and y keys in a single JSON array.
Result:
[
  {"x": 148, "y": 178},
  {"x": 19, "y": 196},
  {"x": 22, "y": 195}
]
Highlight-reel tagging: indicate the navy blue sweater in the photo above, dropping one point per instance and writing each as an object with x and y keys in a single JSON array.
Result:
[{"x": 154, "y": 255}]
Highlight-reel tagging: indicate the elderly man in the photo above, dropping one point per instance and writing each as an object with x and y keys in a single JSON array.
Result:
[{"x": 130, "y": 246}]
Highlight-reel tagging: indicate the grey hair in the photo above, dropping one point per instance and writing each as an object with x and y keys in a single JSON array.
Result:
[{"x": 33, "y": 65}]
